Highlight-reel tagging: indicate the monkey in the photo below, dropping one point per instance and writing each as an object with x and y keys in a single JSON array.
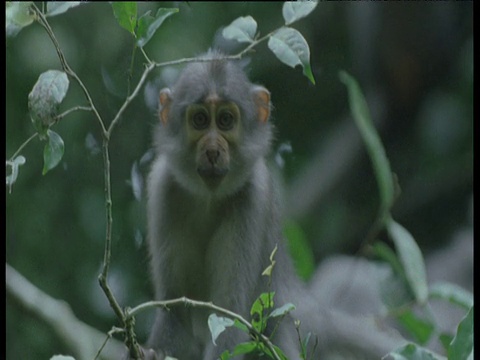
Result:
[
  {"x": 212, "y": 211},
  {"x": 214, "y": 217}
]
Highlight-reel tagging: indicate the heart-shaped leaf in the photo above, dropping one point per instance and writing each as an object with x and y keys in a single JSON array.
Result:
[
  {"x": 373, "y": 143},
  {"x": 282, "y": 310},
  {"x": 45, "y": 97},
  {"x": 411, "y": 259},
  {"x": 242, "y": 29},
  {"x": 17, "y": 16},
  {"x": 53, "y": 151},
  {"x": 59, "y": 7},
  {"x": 217, "y": 325},
  {"x": 461, "y": 346},
  {"x": 295, "y": 10},
  {"x": 291, "y": 48},
  {"x": 126, "y": 14},
  {"x": 148, "y": 24}
]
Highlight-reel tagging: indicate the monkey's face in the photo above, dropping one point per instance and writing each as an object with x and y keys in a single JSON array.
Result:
[{"x": 213, "y": 130}]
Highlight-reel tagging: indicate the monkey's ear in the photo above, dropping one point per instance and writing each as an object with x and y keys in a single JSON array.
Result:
[
  {"x": 165, "y": 99},
  {"x": 261, "y": 97}
]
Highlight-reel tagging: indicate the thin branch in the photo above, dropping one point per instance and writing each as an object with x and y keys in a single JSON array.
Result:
[
  {"x": 129, "y": 99},
  {"x": 102, "y": 278},
  {"x": 152, "y": 65},
  {"x": 145, "y": 55},
  {"x": 109, "y": 336},
  {"x": 25, "y": 143},
  {"x": 237, "y": 56},
  {"x": 76, "y": 108},
  {"x": 106, "y": 158},
  {"x": 205, "y": 305}
]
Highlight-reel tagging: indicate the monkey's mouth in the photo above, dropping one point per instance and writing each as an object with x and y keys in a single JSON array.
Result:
[{"x": 212, "y": 175}]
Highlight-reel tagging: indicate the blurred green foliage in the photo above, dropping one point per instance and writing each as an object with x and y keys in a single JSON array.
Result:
[{"x": 414, "y": 61}]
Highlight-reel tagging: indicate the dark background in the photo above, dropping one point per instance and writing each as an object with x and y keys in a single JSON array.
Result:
[{"x": 414, "y": 61}]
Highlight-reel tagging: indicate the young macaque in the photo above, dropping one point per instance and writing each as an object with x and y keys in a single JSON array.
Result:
[{"x": 214, "y": 218}]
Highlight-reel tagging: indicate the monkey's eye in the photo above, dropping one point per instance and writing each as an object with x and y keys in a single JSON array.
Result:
[
  {"x": 225, "y": 120},
  {"x": 200, "y": 120}
]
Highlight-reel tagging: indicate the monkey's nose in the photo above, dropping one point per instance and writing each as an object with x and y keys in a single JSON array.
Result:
[{"x": 212, "y": 155}]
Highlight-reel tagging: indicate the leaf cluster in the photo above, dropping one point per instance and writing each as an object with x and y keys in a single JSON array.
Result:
[
  {"x": 261, "y": 312},
  {"x": 407, "y": 263},
  {"x": 262, "y": 315},
  {"x": 143, "y": 27},
  {"x": 287, "y": 43}
]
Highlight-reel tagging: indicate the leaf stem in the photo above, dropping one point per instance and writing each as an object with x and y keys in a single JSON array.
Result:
[
  {"x": 25, "y": 143},
  {"x": 76, "y": 108},
  {"x": 129, "y": 99}
]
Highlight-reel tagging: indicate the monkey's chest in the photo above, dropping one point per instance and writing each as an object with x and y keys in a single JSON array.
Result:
[{"x": 192, "y": 269}]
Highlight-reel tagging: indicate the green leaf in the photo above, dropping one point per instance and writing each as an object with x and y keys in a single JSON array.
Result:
[
  {"x": 452, "y": 293},
  {"x": 126, "y": 14},
  {"x": 393, "y": 288},
  {"x": 53, "y": 151},
  {"x": 305, "y": 346},
  {"x": 299, "y": 249},
  {"x": 14, "y": 165},
  {"x": 411, "y": 259},
  {"x": 392, "y": 283},
  {"x": 413, "y": 352},
  {"x": 59, "y": 7},
  {"x": 381, "y": 166},
  {"x": 461, "y": 346},
  {"x": 242, "y": 29},
  {"x": 264, "y": 302},
  {"x": 385, "y": 253},
  {"x": 17, "y": 16},
  {"x": 217, "y": 325},
  {"x": 295, "y": 10},
  {"x": 269, "y": 269},
  {"x": 291, "y": 48},
  {"x": 445, "y": 340},
  {"x": 279, "y": 352},
  {"x": 244, "y": 348},
  {"x": 282, "y": 310},
  {"x": 45, "y": 98},
  {"x": 148, "y": 24},
  {"x": 240, "y": 326},
  {"x": 225, "y": 355},
  {"x": 420, "y": 329}
]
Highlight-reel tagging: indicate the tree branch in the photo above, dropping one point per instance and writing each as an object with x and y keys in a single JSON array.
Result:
[{"x": 84, "y": 340}]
